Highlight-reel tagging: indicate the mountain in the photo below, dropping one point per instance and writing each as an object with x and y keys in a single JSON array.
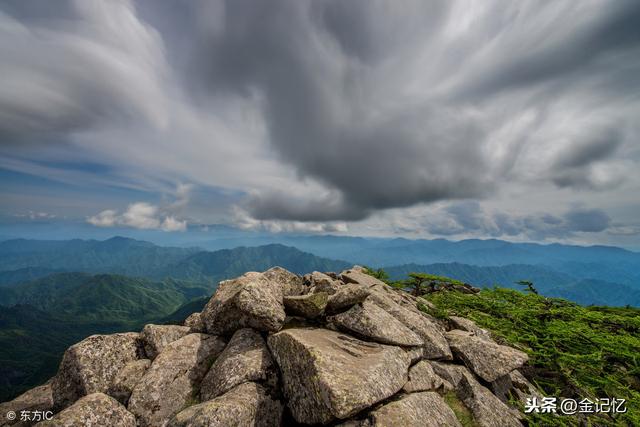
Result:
[
  {"x": 584, "y": 262},
  {"x": 12, "y": 277},
  {"x": 547, "y": 281},
  {"x": 222, "y": 264},
  {"x": 116, "y": 255},
  {"x": 103, "y": 297}
]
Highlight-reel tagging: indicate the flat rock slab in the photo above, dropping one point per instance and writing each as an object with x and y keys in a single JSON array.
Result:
[
  {"x": 91, "y": 365},
  {"x": 373, "y": 323},
  {"x": 94, "y": 410},
  {"x": 485, "y": 358},
  {"x": 328, "y": 375},
  {"x": 246, "y": 358},
  {"x": 245, "y": 405},
  {"x": 126, "y": 380},
  {"x": 173, "y": 378},
  {"x": 309, "y": 306},
  {"x": 426, "y": 409},
  {"x": 422, "y": 378},
  {"x": 157, "y": 337},
  {"x": 252, "y": 300}
]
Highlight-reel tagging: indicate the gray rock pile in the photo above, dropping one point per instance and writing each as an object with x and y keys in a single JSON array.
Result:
[{"x": 277, "y": 349}]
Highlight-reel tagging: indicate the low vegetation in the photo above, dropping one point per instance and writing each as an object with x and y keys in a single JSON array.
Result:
[{"x": 575, "y": 352}]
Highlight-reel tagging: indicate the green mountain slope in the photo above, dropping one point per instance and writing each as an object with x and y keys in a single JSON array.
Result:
[
  {"x": 575, "y": 352},
  {"x": 226, "y": 263},
  {"x": 103, "y": 297}
]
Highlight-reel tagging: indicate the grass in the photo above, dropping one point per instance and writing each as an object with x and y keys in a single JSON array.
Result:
[
  {"x": 575, "y": 351},
  {"x": 462, "y": 413}
]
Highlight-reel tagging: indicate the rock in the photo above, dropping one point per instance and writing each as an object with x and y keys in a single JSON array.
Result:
[
  {"x": 450, "y": 373},
  {"x": 36, "y": 399},
  {"x": 245, "y": 405},
  {"x": 126, "y": 380},
  {"x": 328, "y": 375},
  {"x": 426, "y": 409},
  {"x": 93, "y": 410},
  {"x": 415, "y": 353},
  {"x": 422, "y": 378},
  {"x": 309, "y": 306},
  {"x": 373, "y": 323},
  {"x": 487, "y": 409},
  {"x": 245, "y": 358},
  {"x": 91, "y": 365},
  {"x": 156, "y": 337},
  {"x": 321, "y": 282},
  {"x": 469, "y": 326},
  {"x": 357, "y": 275},
  {"x": 291, "y": 283},
  {"x": 514, "y": 384},
  {"x": 486, "y": 359},
  {"x": 173, "y": 378},
  {"x": 252, "y": 300},
  {"x": 194, "y": 323},
  {"x": 435, "y": 344},
  {"x": 345, "y": 297}
]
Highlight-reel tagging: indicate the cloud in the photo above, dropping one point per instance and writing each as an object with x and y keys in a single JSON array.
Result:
[
  {"x": 470, "y": 218},
  {"x": 306, "y": 115},
  {"x": 243, "y": 220},
  {"x": 391, "y": 118},
  {"x": 138, "y": 215}
]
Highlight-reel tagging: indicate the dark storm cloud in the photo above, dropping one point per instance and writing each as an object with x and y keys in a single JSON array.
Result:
[
  {"x": 331, "y": 79},
  {"x": 73, "y": 66}
]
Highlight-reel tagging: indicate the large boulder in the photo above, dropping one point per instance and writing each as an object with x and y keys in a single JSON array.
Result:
[
  {"x": 327, "y": 375},
  {"x": 156, "y": 337},
  {"x": 469, "y": 326},
  {"x": 245, "y": 405},
  {"x": 435, "y": 344},
  {"x": 194, "y": 322},
  {"x": 36, "y": 399},
  {"x": 485, "y": 358},
  {"x": 515, "y": 385},
  {"x": 426, "y": 409},
  {"x": 125, "y": 381},
  {"x": 291, "y": 283},
  {"x": 91, "y": 365},
  {"x": 252, "y": 300},
  {"x": 346, "y": 296},
  {"x": 246, "y": 358},
  {"x": 94, "y": 410},
  {"x": 308, "y": 306},
  {"x": 173, "y": 378},
  {"x": 373, "y": 323},
  {"x": 423, "y": 378},
  {"x": 321, "y": 282},
  {"x": 487, "y": 409}
]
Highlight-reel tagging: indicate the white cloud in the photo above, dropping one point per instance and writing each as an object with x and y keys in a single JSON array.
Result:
[{"x": 138, "y": 215}]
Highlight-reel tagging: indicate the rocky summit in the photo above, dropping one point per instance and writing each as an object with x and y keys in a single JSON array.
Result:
[{"x": 278, "y": 349}]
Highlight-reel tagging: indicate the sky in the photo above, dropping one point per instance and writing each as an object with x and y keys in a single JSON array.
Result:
[{"x": 455, "y": 119}]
